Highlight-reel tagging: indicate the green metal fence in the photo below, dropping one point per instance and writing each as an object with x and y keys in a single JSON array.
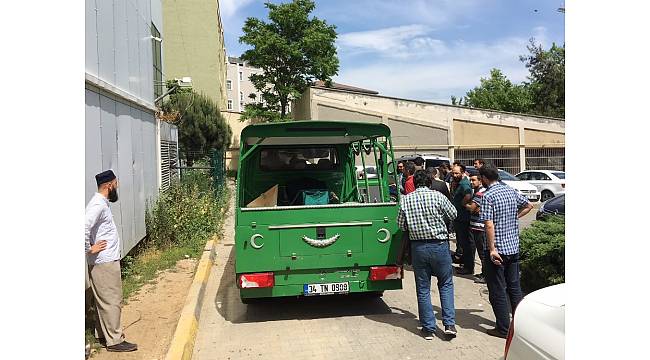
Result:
[
  {"x": 212, "y": 162},
  {"x": 218, "y": 161}
]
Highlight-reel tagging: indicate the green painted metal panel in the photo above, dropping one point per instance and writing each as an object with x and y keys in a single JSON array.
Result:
[
  {"x": 317, "y": 243},
  {"x": 346, "y": 239}
]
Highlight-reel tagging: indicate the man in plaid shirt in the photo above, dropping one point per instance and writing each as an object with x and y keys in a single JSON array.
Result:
[
  {"x": 501, "y": 208},
  {"x": 426, "y": 213}
]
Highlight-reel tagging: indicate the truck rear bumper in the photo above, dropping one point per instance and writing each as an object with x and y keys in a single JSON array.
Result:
[{"x": 292, "y": 283}]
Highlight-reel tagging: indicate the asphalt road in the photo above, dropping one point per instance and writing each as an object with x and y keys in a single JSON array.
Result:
[{"x": 338, "y": 327}]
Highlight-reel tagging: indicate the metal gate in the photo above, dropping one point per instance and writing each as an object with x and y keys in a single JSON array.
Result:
[{"x": 215, "y": 165}]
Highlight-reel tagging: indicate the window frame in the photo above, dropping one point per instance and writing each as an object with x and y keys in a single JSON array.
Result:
[
  {"x": 335, "y": 164},
  {"x": 156, "y": 54}
]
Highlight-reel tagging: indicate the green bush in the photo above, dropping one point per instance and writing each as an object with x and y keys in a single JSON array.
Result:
[
  {"x": 542, "y": 254},
  {"x": 179, "y": 223},
  {"x": 187, "y": 214}
]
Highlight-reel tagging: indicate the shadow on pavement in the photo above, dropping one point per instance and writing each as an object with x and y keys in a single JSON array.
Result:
[
  {"x": 406, "y": 320},
  {"x": 230, "y": 307}
]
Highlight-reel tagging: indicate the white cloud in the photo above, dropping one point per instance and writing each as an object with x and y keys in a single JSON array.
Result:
[
  {"x": 434, "y": 13},
  {"x": 393, "y": 41},
  {"x": 412, "y": 64},
  {"x": 229, "y": 7}
]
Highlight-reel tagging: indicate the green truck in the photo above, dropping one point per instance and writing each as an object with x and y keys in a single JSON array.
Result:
[{"x": 306, "y": 224}]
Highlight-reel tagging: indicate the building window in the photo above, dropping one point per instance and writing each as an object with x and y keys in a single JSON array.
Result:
[
  {"x": 157, "y": 62},
  {"x": 241, "y": 97},
  {"x": 241, "y": 76},
  {"x": 229, "y": 104},
  {"x": 229, "y": 84}
]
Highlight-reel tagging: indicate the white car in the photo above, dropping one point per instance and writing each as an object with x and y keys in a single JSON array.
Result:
[
  {"x": 549, "y": 182},
  {"x": 523, "y": 187},
  {"x": 371, "y": 170},
  {"x": 430, "y": 160},
  {"x": 537, "y": 329}
]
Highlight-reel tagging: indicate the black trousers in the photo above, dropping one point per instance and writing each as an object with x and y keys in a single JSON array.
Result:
[
  {"x": 478, "y": 239},
  {"x": 467, "y": 246},
  {"x": 503, "y": 285}
]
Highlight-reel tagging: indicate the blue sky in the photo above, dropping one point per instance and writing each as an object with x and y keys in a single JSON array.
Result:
[{"x": 419, "y": 49}]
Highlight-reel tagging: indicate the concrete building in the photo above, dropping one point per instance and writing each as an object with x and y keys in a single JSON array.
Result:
[
  {"x": 194, "y": 46},
  {"x": 513, "y": 142},
  {"x": 238, "y": 86}
]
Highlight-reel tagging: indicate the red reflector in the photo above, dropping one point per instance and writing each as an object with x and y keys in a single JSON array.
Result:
[
  {"x": 256, "y": 280},
  {"x": 385, "y": 272},
  {"x": 511, "y": 333}
]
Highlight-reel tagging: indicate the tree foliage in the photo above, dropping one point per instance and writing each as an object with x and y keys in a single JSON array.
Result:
[
  {"x": 293, "y": 49},
  {"x": 498, "y": 93},
  {"x": 542, "y": 94},
  {"x": 201, "y": 127},
  {"x": 546, "y": 79}
]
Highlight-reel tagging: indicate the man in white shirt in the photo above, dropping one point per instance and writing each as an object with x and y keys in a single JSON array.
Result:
[{"x": 103, "y": 258}]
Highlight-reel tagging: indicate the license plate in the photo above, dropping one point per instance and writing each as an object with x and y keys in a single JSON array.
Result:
[
  {"x": 533, "y": 197},
  {"x": 326, "y": 289}
]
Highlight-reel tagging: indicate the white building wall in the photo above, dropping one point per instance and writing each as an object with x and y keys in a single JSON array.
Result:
[{"x": 244, "y": 86}]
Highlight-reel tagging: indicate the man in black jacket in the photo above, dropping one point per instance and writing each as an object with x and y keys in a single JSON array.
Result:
[{"x": 437, "y": 184}]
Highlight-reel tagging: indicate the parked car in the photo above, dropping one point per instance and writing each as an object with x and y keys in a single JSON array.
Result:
[
  {"x": 430, "y": 160},
  {"x": 549, "y": 182},
  {"x": 537, "y": 329},
  {"x": 371, "y": 170},
  {"x": 523, "y": 187},
  {"x": 555, "y": 206}
]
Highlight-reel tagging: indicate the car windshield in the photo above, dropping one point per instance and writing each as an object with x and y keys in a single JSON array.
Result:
[
  {"x": 504, "y": 175},
  {"x": 559, "y": 174}
]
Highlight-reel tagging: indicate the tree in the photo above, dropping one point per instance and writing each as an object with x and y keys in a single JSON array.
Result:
[
  {"x": 542, "y": 94},
  {"x": 546, "y": 80},
  {"x": 293, "y": 50},
  {"x": 497, "y": 93},
  {"x": 201, "y": 127}
]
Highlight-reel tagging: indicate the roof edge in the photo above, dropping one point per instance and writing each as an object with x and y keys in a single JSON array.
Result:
[{"x": 441, "y": 104}]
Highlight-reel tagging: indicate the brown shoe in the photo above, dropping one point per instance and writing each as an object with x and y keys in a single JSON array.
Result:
[{"x": 122, "y": 347}]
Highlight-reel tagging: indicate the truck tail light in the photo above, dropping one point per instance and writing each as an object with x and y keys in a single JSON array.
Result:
[
  {"x": 511, "y": 333},
  {"x": 256, "y": 280},
  {"x": 385, "y": 272}
]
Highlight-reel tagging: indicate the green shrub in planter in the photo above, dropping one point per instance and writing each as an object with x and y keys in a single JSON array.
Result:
[{"x": 542, "y": 254}]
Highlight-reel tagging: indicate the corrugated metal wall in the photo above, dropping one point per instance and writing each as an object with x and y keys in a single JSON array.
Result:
[
  {"x": 122, "y": 137},
  {"x": 121, "y": 132}
]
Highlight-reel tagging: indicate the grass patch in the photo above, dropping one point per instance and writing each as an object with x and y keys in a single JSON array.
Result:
[{"x": 179, "y": 223}]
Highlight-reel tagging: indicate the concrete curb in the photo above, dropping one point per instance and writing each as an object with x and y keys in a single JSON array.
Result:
[{"x": 182, "y": 344}]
